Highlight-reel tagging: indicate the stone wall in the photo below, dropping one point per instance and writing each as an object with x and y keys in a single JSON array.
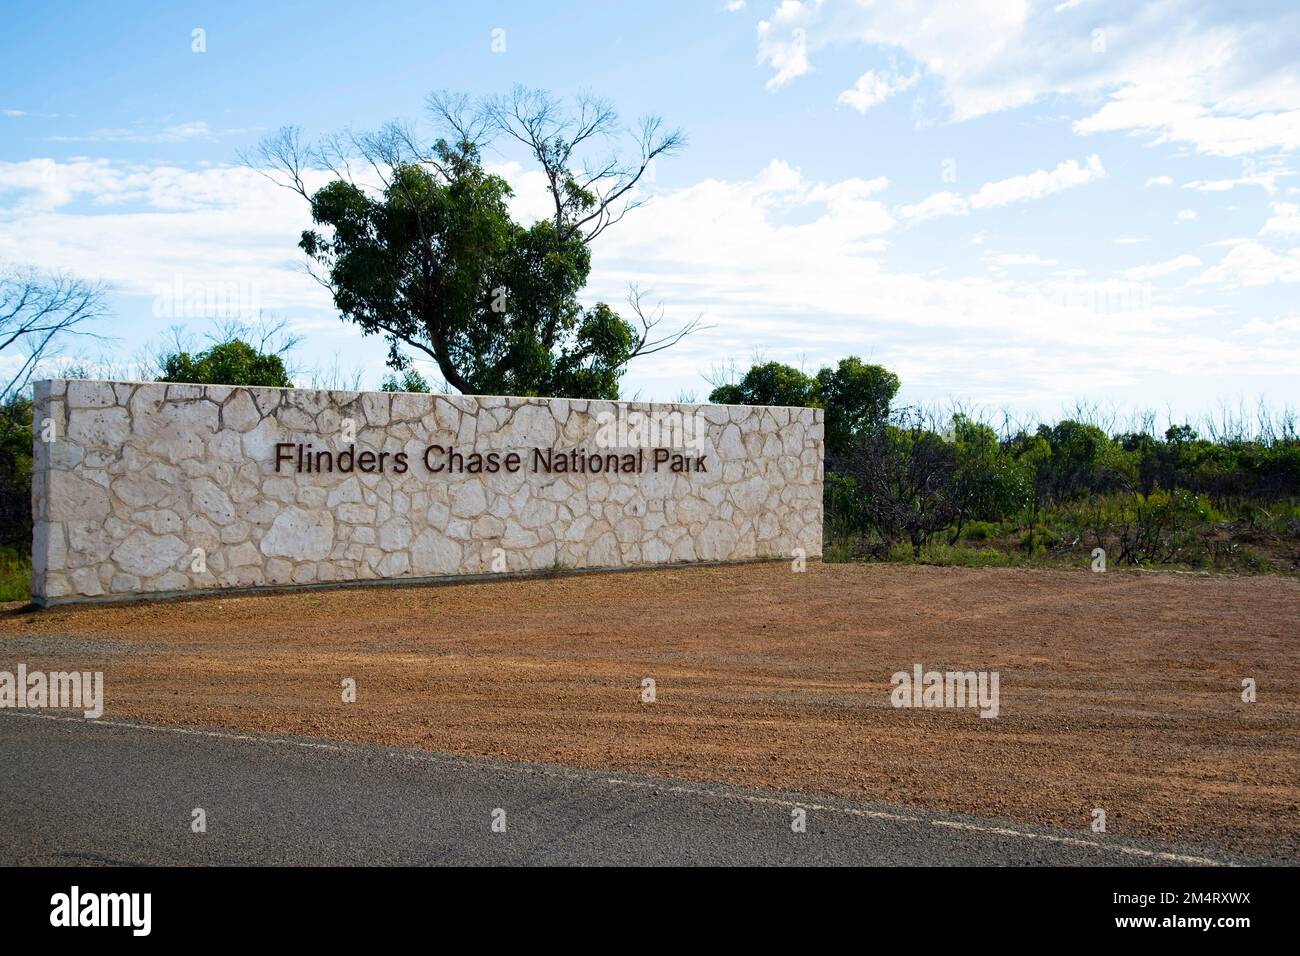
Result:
[{"x": 148, "y": 488}]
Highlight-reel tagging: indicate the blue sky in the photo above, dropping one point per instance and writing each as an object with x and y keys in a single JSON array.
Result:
[{"x": 1012, "y": 205}]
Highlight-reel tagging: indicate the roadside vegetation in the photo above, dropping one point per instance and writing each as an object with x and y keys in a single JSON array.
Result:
[{"x": 909, "y": 484}]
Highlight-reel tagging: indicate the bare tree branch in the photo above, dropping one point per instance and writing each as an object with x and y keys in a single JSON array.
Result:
[
  {"x": 588, "y": 202},
  {"x": 649, "y": 322},
  {"x": 281, "y": 158},
  {"x": 38, "y": 312}
]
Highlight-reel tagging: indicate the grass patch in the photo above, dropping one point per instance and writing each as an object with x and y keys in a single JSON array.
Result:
[
  {"x": 839, "y": 552},
  {"x": 941, "y": 554},
  {"x": 15, "y": 575}
]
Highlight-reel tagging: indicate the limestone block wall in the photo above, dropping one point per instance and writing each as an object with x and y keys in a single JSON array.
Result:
[{"x": 151, "y": 489}]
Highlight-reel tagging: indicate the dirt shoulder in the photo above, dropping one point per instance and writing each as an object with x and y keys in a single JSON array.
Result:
[{"x": 1119, "y": 691}]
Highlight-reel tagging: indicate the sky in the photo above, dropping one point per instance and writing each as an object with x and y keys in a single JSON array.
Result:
[{"x": 1014, "y": 206}]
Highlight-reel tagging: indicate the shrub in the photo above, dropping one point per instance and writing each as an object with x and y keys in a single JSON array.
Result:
[
  {"x": 233, "y": 362},
  {"x": 1162, "y": 527},
  {"x": 901, "y": 475},
  {"x": 980, "y": 531}
]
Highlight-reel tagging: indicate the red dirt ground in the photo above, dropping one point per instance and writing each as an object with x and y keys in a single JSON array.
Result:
[{"x": 1118, "y": 690}]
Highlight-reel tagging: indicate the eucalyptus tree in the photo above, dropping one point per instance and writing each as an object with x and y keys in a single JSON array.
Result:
[{"x": 416, "y": 241}]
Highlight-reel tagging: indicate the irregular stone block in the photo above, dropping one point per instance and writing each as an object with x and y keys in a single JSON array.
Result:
[{"x": 300, "y": 534}]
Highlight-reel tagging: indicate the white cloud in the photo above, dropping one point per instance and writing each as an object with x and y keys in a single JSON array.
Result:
[
  {"x": 1160, "y": 181},
  {"x": 1267, "y": 181},
  {"x": 1038, "y": 184},
  {"x": 953, "y": 41},
  {"x": 44, "y": 184},
  {"x": 1287, "y": 327},
  {"x": 13, "y": 113},
  {"x": 734, "y": 6},
  {"x": 1158, "y": 269},
  {"x": 139, "y": 226},
  {"x": 1191, "y": 97},
  {"x": 1173, "y": 72},
  {"x": 873, "y": 88},
  {"x": 805, "y": 294},
  {"x": 1033, "y": 185},
  {"x": 935, "y": 205},
  {"x": 1248, "y": 263},
  {"x": 1186, "y": 215},
  {"x": 180, "y": 132},
  {"x": 784, "y": 44},
  {"x": 1285, "y": 220},
  {"x": 1017, "y": 259}
]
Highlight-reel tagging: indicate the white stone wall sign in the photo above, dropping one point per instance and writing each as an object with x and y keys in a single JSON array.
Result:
[{"x": 150, "y": 489}]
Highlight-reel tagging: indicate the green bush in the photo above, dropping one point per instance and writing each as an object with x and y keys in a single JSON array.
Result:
[
  {"x": 1161, "y": 528},
  {"x": 233, "y": 362},
  {"x": 1036, "y": 542}
]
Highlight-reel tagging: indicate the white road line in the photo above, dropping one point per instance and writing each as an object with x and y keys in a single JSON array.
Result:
[
  {"x": 1077, "y": 841},
  {"x": 719, "y": 791}
]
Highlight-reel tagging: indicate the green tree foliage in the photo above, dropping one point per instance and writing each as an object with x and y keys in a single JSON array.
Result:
[
  {"x": 442, "y": 267},
  {"x": 856, "y": 396},
  {"x": 769, "y": 383},
  {"x": 433, "y": 260},
  {"x": 16, "y": 438},
  {"x": 1032, "y": 453},
  {"x": 1235, "y": 470},
  {"x": 16, "y": 472},
  {"x": 1158, "y": 527},
  {"x": 1069, "y": 459},
  {"x": 411, "y": 381},
  {"x": 987, "y": 483},
  {"x": 233, "y": 362},
  {"x": 1082, "y": 457}
]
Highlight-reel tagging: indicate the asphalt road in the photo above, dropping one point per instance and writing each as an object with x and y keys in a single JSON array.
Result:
[{"x": 76, "y": 792}]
